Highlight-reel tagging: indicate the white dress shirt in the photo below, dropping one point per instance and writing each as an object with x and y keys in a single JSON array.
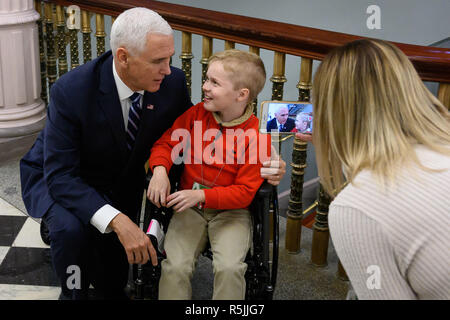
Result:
[{"x": 105, "y": 214}]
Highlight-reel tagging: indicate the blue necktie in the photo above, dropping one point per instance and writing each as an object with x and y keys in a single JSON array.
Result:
[{"x": 134, "y": 118}]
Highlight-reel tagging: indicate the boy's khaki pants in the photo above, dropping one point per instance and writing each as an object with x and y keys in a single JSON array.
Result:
[{"x": 229, "y": 233}]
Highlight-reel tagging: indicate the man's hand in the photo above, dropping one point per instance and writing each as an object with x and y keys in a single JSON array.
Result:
[
  {"x": 136, "y": 243},
  {"x": 185, "y": 199},
  {"x": 159, "y": 187},
  {"x": 274, "y": 169}
]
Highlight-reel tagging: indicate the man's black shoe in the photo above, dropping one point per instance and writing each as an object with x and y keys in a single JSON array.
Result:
[{"x": 45, "y": 233}]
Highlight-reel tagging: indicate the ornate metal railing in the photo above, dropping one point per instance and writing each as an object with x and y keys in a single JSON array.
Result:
[{"x": 432, "y": 64}]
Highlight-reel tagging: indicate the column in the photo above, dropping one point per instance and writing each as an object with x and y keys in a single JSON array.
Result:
[{"x": 22, "y": 111}]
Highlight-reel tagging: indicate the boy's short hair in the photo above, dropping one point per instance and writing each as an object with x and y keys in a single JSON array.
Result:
[{"x": 246, "y": 70}]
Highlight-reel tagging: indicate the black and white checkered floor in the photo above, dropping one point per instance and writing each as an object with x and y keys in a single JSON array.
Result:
[{"x": 26, "y": 271}]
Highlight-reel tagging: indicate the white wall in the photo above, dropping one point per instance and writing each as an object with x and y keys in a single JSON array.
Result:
[{"x": 410, "y": 21}]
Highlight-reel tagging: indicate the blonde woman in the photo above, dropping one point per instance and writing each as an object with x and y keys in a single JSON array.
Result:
[{"x": 383, "y": 151}]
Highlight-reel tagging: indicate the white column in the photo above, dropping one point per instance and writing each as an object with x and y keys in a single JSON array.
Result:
[{"x": 22, "y": 112}]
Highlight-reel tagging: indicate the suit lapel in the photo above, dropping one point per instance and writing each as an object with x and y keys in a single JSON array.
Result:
[
  {"x": 148, "y": 108},
  {"x": 110, "y": 104}
]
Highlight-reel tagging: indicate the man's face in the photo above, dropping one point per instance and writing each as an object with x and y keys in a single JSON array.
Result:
[
  {"x": 146, "y": 71},
  {"x": 282, "y": 115}
]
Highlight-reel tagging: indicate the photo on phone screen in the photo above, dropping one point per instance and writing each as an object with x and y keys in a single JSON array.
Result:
[{"x": 286, "y": 117}]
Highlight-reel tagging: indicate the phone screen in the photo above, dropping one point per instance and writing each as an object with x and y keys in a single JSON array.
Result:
[{"x": 286, "y": 117}]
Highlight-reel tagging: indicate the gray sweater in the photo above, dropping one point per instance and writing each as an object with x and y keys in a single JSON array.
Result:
[{"x": 394, "y": 243}]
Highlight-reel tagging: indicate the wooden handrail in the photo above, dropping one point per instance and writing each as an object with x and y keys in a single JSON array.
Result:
[{"x": 432, "y": 63}]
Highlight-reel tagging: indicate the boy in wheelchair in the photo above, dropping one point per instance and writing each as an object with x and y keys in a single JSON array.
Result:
[{"x": 219, "y": 180}]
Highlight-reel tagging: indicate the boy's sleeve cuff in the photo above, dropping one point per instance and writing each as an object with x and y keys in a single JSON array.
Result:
[
  {"x": 211, "y": 198},
  {"x": 160, "y": 162}
]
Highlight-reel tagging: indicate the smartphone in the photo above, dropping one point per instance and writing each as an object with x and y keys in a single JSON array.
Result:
[{"x": 286, "y": 117}]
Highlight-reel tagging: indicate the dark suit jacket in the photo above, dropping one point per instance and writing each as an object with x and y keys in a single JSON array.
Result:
[
  {"x": 288, "y": 126},
  {"x": 80, "y": 159}
]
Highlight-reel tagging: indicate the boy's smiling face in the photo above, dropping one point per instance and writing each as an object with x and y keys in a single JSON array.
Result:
[{"x": 220, "y": 95}]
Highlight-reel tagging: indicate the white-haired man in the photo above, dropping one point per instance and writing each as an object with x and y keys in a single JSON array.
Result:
[
  {"x": 281, "y": 122},
  {"x": 85, "y": 173}
]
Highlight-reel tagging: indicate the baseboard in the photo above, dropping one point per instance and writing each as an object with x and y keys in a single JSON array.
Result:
[{"x": 15, "y": 148}]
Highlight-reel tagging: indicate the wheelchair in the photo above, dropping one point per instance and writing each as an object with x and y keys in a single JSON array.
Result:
[{"x": 262, "y": 258}]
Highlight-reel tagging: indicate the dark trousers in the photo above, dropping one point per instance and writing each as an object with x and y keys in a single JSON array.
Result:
[{"x": 81, "y": 256}]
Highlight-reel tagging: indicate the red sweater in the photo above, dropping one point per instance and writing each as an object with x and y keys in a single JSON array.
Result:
[{"x": 233, "y": 180}]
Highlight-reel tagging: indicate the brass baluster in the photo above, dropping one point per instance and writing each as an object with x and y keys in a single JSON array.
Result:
[
  {"x": 73, "y": 38},
  {"x": 304, "y": 85},
  {"x": 73, "y": 43},
  {"x": 60, "y": 25},
  {"x": 38, "y": 6},
  {"x": 100, "y": 34},
  {"x": 278, "y": 77},
  {"x": 186, "y": 58},
  {"x": 50, "y": 41},
  {"x": 255, "y": 50},
  {"x": 207, "y": 48},
  {"x": 229, "y": 45},
  {"x": 295, "y": 211},
  {"x": 444, "y": 94},
  {"x": 321, "y": 234},
  {"x": 86, "y": 31}
]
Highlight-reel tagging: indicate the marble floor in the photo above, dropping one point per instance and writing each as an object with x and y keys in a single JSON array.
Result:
[{"x": 25, "y": 266}]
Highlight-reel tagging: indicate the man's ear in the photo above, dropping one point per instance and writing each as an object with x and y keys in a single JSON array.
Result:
[
  {"x": 243, "y": 94},
  {"x": 122, "y": 56}
]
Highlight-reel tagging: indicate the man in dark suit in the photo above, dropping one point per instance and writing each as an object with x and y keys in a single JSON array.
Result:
[
  {"x": 281, "y": 122},
  {"x": 85, "y": 173}
]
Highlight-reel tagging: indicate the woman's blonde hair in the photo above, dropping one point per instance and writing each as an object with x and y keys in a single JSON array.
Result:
[
  {"x": 246, "y": 70},
  {"x": 370, "y": 109}
]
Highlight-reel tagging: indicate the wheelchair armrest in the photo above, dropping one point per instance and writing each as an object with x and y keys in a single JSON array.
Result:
[
  {"x": 261, "y": 202},
  {"x": 265, "y": 190}
]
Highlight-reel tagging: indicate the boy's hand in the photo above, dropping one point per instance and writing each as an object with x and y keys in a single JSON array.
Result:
[
  {"x": 274, "y": 169},
  {"x": 185, "y": 199},
  {"x": 159, "y": 187}
]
